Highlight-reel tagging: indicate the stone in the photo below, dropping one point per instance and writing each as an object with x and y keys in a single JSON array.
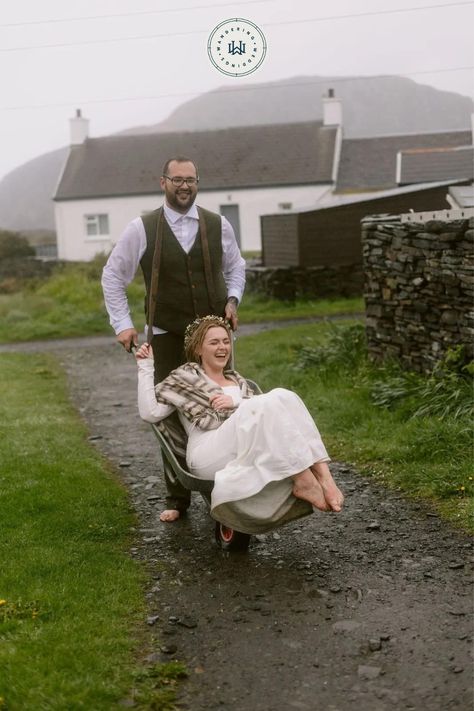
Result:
[
  {"x": 169, "y": 648},
  {"x": 368, "y": 672},
  {"x": 375, "y": 644},
  {"x": 152, "y": 619},
  {"x": 435, "y": 226},
  {"x": 346, "y": 626},
  {"x": 374, "y": 526},
  {"x": 188, "y": 622},
  {"x": 153, "y": 658}
]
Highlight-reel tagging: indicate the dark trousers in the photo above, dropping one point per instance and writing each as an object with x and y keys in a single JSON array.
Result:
[{"x": 168, "y": 352}]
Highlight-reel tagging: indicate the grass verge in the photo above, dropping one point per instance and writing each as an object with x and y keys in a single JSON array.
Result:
[
  {"x": 71, "y": 598},
  {"x": 426, "y": 457},
  {"x": 69, "y": 303},
  {"x": 256, "y": 308}
]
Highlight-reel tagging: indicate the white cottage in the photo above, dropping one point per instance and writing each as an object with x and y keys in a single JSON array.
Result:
[{"x": 245, "y": 172}]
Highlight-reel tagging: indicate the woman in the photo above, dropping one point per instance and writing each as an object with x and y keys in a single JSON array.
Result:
[{"x": 262, "y": 451}]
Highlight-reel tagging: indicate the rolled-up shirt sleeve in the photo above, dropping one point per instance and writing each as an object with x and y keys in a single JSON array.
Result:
[
  {"x": 150, "y": 410},
  {"x": 233, "y": 264},
  {"x": 119, "y": 271}
]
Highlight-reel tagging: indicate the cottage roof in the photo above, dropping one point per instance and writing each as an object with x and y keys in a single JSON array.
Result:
[
  {"x": 243, "y": 157},
  {"x": 424, "y": 164},
  {"x": 370, "y": 163}
]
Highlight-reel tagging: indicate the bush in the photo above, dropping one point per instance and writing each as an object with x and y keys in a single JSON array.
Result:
[
  {"x": 446, "y": 392},
  {"x": 13, "y": 244},
  {"x": 345, "y": 348}
]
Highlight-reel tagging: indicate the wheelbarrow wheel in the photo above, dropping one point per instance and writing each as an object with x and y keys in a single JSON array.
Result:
[{"x": 230, "y": 540}]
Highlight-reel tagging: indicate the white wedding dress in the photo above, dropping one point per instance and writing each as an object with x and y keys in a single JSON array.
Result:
[{"x": 252, "y": 456}]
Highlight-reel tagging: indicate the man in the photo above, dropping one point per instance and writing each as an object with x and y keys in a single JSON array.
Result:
[{"x": 192, "y": 267}]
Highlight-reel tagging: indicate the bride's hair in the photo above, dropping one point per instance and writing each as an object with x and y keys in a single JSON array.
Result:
[{"x": 196, "y": 332}]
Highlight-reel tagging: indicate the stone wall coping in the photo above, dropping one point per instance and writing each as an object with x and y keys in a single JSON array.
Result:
[{"x": 441, "y": 215}]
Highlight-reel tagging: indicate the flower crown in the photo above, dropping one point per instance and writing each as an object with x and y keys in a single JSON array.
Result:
[{"x": 215, "y": 320}]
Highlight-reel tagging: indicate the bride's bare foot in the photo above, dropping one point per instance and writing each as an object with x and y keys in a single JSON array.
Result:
[
  {"x": 169, "y": 515},
  {"x": 332, "y": 495},
  {"x": 306, "y": 487}
]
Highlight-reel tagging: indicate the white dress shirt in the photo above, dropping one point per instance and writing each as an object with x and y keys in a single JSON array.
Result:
[{"x": 125, "y": 258}]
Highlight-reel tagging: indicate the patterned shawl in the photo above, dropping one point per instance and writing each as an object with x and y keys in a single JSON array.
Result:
[{"x": 188, "y": 389}]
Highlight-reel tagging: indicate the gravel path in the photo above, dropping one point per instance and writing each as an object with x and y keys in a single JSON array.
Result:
[{"x": 368, "y": 610}]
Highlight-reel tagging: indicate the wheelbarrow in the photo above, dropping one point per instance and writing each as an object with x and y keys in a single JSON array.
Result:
[{"x": 227, "y": 538}]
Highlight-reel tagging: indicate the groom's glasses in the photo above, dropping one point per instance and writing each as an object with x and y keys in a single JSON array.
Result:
[{"x": 177, "y": 182}]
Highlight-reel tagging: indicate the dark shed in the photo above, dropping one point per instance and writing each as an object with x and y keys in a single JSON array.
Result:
[{"x": 331, "y": 235}]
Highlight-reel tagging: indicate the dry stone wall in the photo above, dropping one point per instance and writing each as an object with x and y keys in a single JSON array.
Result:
[
  {"x": 419, "y": 288},
  {"x": 289, "y": 283}
]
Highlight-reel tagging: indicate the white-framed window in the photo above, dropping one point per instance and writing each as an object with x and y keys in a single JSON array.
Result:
[{"x": 96, "y": 225}]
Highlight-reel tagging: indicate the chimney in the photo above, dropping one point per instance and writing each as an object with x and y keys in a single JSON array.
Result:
[
  {"x": 332, "y": 110},
  {"x": 79, "y": 128}
]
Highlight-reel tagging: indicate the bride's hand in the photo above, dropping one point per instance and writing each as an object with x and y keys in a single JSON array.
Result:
[
  {"x": 144, "y": 351},
  {"x": 219, "y": 401}
]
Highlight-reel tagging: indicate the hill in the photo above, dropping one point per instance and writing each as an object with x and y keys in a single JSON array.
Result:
[
  {"x": 372, "y": 106},
  {"x": 26, "y": 192}
]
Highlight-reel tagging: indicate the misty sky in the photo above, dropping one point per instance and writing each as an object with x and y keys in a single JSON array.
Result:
[{"x": 142, "y": 58}]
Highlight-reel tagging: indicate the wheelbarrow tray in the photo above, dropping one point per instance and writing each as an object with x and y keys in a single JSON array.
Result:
[{"x": 188, "y": 480}]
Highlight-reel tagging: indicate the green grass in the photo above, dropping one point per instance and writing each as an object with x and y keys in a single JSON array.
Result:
[
  {"x": 69, "y": 303},
  {"x": 256, "y": 308},
  {"x": 71, "y": 598},
  {"x": 424, "y": 456}
]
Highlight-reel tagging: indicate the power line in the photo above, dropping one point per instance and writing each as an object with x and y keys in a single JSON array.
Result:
[
  {"x": 254, "y": 87},
  {"x": 267, "y": 24},
  {"x": 375, "y": 12},
  {"x": 129, "y": 14}
]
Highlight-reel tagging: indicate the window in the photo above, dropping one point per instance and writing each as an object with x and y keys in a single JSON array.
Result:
[{"x": 96, "y": 225}]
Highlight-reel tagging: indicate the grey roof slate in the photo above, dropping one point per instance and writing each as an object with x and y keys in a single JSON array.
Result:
[
  {"x": 370, "y": 163},
  {"x": 255, "y": 156},
  {"x": 422, "y": 165}
]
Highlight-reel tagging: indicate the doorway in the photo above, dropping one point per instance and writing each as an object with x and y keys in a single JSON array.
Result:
[{"x": 231, "y": 212}]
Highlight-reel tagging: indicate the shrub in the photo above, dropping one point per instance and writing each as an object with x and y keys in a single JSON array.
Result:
[
  {"x": 345, "y": 348},
  {"x": 13, "y": 244},
  {"x": 446, "y": 392}
]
